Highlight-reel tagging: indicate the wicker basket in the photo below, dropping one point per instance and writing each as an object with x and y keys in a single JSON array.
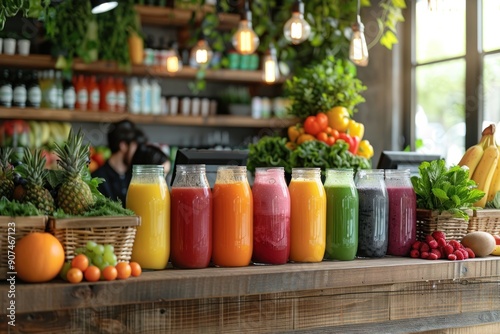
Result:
[
  {"x": 16, "y": 227},
  {"x": 76, "y": 232},
  {"x": 429, "y": 221},
  {"x": 487, "y": 220}
]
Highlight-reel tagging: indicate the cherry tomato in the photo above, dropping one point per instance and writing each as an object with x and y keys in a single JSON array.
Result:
[
  {"x": 322, "y": 136},
  {"x": 92, "y": 274},
  {"x": 81, "y": 262},
  {"x": 124, "y": 270},
  {"x": 74, "y": 275},
  {"x": 136, "y": 269},
  {"x": 109, "y": 273}
]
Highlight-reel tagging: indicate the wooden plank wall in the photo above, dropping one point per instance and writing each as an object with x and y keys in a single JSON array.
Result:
[{"x": 453, "y": 307}]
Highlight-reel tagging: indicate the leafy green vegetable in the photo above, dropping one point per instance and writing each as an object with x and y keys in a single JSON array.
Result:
[
  {"x": 320, "y": 87},
  {"x": 272, "y": 152},
  {"x": 102, "y": 207},
  {"x": 17, "y": 209},
  {"x": 445, "y": 189}
]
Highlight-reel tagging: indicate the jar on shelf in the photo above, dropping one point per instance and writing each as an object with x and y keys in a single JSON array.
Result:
[
  {"x": 373, "y": 213},
  {"x": 271, "y": 216},
  {"x": 307, "y": 215},
  {"x": 191, "y": 218},
  {"x": 148, "y": 196},
  {"x": 342, "y": 210},
  {"x": 402, "y": 212},
  {"x": 232, "y": 217}
]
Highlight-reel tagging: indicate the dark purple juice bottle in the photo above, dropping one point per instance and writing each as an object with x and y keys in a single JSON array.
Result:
[{"x": 402, "y": 212}]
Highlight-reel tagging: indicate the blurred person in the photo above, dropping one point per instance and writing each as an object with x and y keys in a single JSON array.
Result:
[
  {"x": 123, "y": 139},
  {"x": 150, "y": 154}
]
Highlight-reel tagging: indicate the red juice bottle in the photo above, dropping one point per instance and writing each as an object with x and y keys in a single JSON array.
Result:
[
  {"x": 190, "y": 218},
  {"x": 402, "y": 212},
  {"x": 271, "y": 217}
]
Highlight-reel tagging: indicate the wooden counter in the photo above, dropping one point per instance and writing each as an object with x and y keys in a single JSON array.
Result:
[{"x": 389, "y": 295}]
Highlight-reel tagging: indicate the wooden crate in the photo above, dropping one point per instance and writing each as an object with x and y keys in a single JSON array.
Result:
[
  {"x": 14, "y": 228},
  {"x": 487, "y": 220},
  {"x": 118, "y": 231}
]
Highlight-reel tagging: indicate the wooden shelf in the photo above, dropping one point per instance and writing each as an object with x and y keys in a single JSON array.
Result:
[
  {"x": 65, "y": 115},
  {"x": 111, "y": 68},
  {"x": 178, "y": 17}
]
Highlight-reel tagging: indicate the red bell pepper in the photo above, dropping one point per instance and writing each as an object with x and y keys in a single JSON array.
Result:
[
  {"x": 315, "y": 124},
  {"x": 352, "y": 141}
]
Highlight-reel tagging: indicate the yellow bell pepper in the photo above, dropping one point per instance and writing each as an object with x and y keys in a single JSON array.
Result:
[
  {"x": 365, "y": 149},
  {"x": 294, "y": 132},
  {"x": 356, "y": 129},
  {"x": 338, "y": 118}
]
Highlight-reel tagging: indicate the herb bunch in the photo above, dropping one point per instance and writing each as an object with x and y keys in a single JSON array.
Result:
[{"x": 445, "y": 189}]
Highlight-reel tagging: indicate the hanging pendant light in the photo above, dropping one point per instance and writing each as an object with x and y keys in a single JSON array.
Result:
[
  {"x": 296, "y": 29},
  {"x": 201, "y": 53},
  {"x": 245, "y": 40},
  {"x": 101, "y": 6},
  {"x": 358, "y": 50},
  {"x": 271, "y": 71},
  {"x": 173, "y": 61}
]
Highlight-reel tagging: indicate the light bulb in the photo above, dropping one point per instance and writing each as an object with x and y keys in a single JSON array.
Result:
[
  {"x": 201, "y": 53},
  {"x": 296, "y": 29},
  {"x": 271, "y": 70},
  {"x": 358, "y": 50},
  {"x": 245, "y": 40},
  {"x": 173, "y": 61}
]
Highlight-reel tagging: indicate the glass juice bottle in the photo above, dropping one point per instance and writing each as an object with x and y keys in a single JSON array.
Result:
[
  {"x": 232, "y": 217},
  {"x": 341, "y": 214},
  {"x": 271, "y": 216},
  {"x": 191, "y": 218},
  {"x": 373, "y": 213},
  {"x": 307, "y": 215},
  {"x": 402, "y": 212},
  {"x": 148, "y": 196}
]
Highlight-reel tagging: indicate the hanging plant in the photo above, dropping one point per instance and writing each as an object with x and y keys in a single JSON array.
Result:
[{"x": 27, "y": 8}]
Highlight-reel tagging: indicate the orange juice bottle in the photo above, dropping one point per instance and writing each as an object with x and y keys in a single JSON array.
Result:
[
  {"x": 308, "y": 215},
  {"x": 232, "y": 218},
  {"x": 148, "y": 196}
]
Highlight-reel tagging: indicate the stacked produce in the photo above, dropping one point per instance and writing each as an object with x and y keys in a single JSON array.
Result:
[
  {"x": 482, "y": 162},
  {"x": 323, "y": 97}
]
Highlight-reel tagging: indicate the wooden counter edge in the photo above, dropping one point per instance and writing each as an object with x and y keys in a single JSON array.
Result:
[{"x": 181, "y": 284}]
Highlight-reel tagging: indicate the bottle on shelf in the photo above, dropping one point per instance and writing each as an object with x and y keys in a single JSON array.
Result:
[
  {"x": 49, "y": 95},
  {"x": 134, "y": 96},
  {"x": 69, "y": 94},
  {"x": 19, "y": 94},
  {"x": 94, "y": 94},
  {"x": 82, "y": 95},
  {"x": 121, "y": 95},
  {"x": 58, "y": 83},
  {"x": 108, "y": 95},
  {"x": 155, "y": 97},
  {"x": 145, "y": 96},
  {"x": 5, "y": 89},
  {"x": 34, "y": 93}
]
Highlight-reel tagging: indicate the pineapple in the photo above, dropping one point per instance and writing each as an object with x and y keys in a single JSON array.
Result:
[
  {"x": 6, "y": 174},
  {"x": 74, "y": 195},
  {"x": 33, "y": 171}
]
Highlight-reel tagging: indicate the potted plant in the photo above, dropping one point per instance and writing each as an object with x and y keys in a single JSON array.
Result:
[{"x": 237, "y": 100}]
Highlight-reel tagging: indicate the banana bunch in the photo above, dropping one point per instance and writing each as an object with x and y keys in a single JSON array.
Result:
[{"x": 484, "y": 167}]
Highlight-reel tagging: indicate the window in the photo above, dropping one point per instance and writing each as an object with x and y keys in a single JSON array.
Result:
[{"x": 455, "y": 71}]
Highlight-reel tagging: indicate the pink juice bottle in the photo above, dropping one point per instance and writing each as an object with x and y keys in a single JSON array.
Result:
[
  {"x": 402, "y": 212},
  {"x": 271, "y": 217}
]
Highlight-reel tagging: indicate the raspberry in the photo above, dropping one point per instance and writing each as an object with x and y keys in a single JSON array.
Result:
[
  {"x": 437, "y": 252},
  {"x": 424, "y": 247},
  {"x": 455, "y": 244},
  {"x": 452, "y": 257},
  {"x": 414, "y": 253},
  {"x": 424, "y": 255},
  {"x": 441, "y": 242},
  {"x": 433, "y": 244},
  {"x": 448, "y": 249},
  {"x": 459, "y": 255},
  {"x": 416, "y": 245},
  {"x": 432, "y": 256},
  {"x": 470, "y": 252},
  {"x": 429, "y": 238},
  {"x": 465, "y": 253},
  {"x": 439, "y": 235}
]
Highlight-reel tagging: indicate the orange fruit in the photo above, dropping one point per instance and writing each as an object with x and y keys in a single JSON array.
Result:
[
  {"x": 39, "y": 257},
  {"x": 92, "y": 274},
  {"x": 74, "y": 275},
  {"x": 124, "y": 270},
  {"x": 109, "y": 273},
  {"x": 136, "y": 269},
  {"x": 81, "y": 261}
]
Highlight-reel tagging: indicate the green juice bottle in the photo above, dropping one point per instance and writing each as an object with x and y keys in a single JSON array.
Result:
[{"x": 342, "y": 207}]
